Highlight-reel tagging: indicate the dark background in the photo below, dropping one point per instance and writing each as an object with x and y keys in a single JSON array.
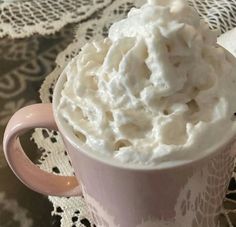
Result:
[{"x": 24, "y": 64}]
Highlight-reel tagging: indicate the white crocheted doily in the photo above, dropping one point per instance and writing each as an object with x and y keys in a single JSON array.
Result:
[
  {"x": 73, "y": 211},
  {"x": 22, "y": 18}
]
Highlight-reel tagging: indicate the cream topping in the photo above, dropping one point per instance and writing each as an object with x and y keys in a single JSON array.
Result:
[{"x": 158, "y": 89}]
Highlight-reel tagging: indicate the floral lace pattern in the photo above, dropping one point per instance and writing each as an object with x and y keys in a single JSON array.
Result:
[{"x": 20, "y": 19}]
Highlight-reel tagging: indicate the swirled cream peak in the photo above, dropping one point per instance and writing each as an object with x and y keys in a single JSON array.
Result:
[{"x": 158, "y": 89}]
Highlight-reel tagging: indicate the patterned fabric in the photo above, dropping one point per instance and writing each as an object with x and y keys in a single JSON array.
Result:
[
  {"x": 24, "y": 65},
  {"x": 23, "y": 18},
  {"x": 220, "y": 14}
]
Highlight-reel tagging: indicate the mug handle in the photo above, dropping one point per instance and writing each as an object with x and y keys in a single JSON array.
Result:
[{"x": 37, "y": 115}]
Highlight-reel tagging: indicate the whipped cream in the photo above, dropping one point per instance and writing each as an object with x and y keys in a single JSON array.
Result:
[{"x": 158, "y": 89}]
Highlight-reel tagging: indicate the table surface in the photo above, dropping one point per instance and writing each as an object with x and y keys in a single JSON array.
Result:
[{"x": 24, "y": 64}]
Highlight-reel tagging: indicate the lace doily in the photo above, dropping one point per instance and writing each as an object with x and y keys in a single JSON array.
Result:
[
  {"x": 23, "y": 18},
  {"x": 73, "y": 211}
]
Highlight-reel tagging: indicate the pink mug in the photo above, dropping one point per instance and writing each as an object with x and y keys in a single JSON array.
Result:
[{"x": 188, "y": 194}]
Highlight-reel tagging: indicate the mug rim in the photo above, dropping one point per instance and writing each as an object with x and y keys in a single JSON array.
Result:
[{"x": 67, "y": 133}]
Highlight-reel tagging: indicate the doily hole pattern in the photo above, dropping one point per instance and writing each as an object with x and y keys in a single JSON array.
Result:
[{"x": 19, "y": 19}]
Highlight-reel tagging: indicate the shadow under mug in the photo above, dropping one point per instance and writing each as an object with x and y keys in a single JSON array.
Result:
[{"x": 182, "y": 195}]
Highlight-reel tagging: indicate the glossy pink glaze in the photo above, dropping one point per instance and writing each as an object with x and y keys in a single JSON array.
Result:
[
  {"x": 123, "y": 197},
  {"x": 38, "y": 115}
]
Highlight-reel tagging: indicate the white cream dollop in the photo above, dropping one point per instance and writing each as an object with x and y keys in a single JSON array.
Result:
[{"x": 158, "y": 89}]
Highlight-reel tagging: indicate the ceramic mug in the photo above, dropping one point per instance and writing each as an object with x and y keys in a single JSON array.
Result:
[{"x": 178, "y": 195}]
